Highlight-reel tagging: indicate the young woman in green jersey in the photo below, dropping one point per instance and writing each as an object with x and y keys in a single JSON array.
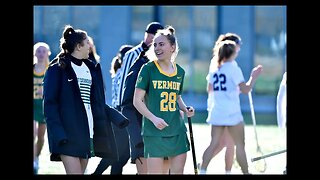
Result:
[
  {"x": 158, "y": 98},
  {"x": 41, "y": 52}
]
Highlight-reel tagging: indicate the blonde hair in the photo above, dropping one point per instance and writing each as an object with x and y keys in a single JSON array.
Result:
[
  {"x": 169, "y": 33},
  {"x": 35, "y": 48}
]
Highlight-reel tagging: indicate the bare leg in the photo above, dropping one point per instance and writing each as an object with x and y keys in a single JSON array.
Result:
[
  {"x": 216, "y": 133},
  {"x": 142, "y": 165},
  {"x": 41, "y": 132},
  {"x": 229, "y": 156},
  {"x": 74, "y": 165},
  {"x": 35, "y": 157},
  {"x": 155, "y": 165},
  {"x": 166, "y": 166},
  {"x": 35, "y": 132},
  {"x": 237, "y": 133},
  {"x": 177, "y": 163},
  {"x": 221, "y": 145},
  {"x": 226, "y": 141}
]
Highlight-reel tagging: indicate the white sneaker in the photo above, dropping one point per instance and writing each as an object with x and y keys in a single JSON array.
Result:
[{"x": 203, "y": 171}]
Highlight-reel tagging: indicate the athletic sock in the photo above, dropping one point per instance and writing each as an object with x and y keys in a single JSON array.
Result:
[{"x": 203, "y": 171}]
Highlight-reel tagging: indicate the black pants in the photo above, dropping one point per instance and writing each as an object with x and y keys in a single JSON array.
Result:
[{"x": 122, "y": 141}]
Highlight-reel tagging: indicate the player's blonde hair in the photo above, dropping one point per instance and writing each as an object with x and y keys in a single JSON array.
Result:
[
  {"x": 35, "y": 48},
  {"x": 169, "y": 33}
]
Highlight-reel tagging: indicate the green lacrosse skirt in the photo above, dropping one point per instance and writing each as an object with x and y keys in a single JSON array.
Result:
[{"x": 169, "y": 146}]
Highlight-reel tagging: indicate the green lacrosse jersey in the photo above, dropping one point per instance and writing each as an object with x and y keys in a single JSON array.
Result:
[
  {"x": 162, "y": 90},
  {"x": 37, "y": 96}
]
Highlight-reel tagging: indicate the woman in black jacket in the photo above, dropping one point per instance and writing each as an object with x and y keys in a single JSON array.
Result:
[{"x": 78, "y": 120}]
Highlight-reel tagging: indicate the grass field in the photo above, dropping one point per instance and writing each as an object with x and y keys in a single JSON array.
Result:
[
  {"x": 262, "y": 118},
  {"x": 270, "y": 137}
]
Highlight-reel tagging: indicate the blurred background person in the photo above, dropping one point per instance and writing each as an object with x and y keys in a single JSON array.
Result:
[
  {"x": 226, "y": 139},
  {"x": 121, "y": 134},
  {"x": 228, "y": 82},
  {"x": 282, "y": 102},
  {"x": 282, "y": 105},
  {"x": 93, "y": 55},
  {"x": 41, "y": 52}
]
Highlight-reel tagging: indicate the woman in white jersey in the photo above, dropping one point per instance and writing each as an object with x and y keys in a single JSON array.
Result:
[
  {"x": 226, "y": 139},
  {"x": 225, "y": 113}
]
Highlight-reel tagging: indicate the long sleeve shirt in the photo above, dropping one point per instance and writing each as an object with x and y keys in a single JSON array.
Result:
[{"x": 127, "y": 62}]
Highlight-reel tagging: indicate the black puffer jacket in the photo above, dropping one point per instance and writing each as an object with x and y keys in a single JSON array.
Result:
[{"x": 67, "y": 123}]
